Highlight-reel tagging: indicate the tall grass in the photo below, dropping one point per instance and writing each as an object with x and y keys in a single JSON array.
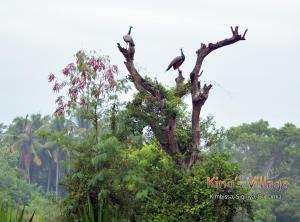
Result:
[
  {"x": 9, "y": 214},
  {"x": 87, "y": 214}
]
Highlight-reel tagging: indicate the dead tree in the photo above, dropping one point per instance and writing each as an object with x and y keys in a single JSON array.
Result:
[{"x": 166, "y": 134}]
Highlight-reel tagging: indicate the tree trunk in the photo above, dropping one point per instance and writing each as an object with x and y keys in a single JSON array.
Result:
[
  {"x": 113, "y": 123},
  {"x": 196, "y": 126},
  {"x": 56, "y": 181},
  {"x": 172, "y": 141},
  {"x": 28, "y": 175},
  {"x": 96, "y": 123},
  {"x": 49, "y": 179}
]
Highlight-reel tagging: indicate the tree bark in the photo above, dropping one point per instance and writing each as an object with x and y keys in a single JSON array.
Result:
[
  {"x": 171, "y": 127},
  {"x": 56, "y": 180},
  {"x": 28, "y": 174},
  {"x": 49, "y": 178},
  {"x": 96, "y": 124},
  {"x": 154, "y": 94},
  {"x": 199, "y": 96}
]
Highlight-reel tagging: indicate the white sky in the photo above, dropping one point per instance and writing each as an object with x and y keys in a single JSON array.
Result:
[{"x": 256, "y": 78}]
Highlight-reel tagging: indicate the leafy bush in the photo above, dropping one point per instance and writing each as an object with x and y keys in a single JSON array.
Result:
[{"x": 145, "y": 184}]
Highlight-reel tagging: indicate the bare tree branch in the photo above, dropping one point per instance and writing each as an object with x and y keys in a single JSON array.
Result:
[
  {"x": 181, "y": 88},
  {"x": 139, "y": 82},
  {"x": 179, "y": 80},
  {"x": 165, "y": 135},
  {"x": 201, "y": 73},
  {"x": 204, "y": 94},
  {"x": 199, "y": 96}
]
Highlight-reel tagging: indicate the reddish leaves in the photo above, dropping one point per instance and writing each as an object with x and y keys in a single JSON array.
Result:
[
  {"x": 96, "y": 64},
  {"x": 56, "y": 87},
  {"x": 69, "y": 69},
  {"x": 82, "y": 102},
  {"x": 89, "y": 79},
  {"x": 51, "y": 77}
]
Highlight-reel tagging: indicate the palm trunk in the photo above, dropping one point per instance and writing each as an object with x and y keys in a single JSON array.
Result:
[
  {"x": 28, "y": 174},
  {"x": 56, "y": 182},
  {"x": 49, "y": 178},
  {"x": 96, "y": 122}
]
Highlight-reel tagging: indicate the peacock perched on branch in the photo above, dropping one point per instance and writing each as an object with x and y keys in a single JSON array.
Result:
[
  {"x": 177, "y": 61},
  {"x": 128, "y": 38}
]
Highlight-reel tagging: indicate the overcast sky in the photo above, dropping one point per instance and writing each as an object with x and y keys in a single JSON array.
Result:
[{"x": 253, "y": 79}]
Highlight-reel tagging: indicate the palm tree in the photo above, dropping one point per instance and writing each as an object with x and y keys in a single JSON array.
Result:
[
  {"x": 22, "y": 136},
  {"x": 54, "y": 152}
]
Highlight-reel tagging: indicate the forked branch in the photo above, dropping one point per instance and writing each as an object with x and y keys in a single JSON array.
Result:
[
  {"x": 200, "y": 95},
  {"x": 140, "y": 83}
]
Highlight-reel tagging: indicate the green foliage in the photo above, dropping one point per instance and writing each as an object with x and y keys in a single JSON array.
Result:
[
  {"x": 15, "y": 190},
  {"x": 284, "y": 209},
  {"x": 274, "y": 153},
  {"x": 145, "y": 184},
  {"x": 139, "y": 181},
  {"x": 9, "y": 214},
  {"x": 146, "y": 112},
  {"x": 180, "y": 196},
  {"x": 264, "y": 150},
  {"x": 93, "y": 170}
]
